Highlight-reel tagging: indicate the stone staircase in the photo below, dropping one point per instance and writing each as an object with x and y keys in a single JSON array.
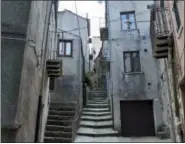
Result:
[
  {"x": 62, "y": 123},
  {"x": 96, "y": 119}
]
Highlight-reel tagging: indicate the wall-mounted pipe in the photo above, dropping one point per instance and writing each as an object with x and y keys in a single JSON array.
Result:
[{"x": 40, "y": 105}]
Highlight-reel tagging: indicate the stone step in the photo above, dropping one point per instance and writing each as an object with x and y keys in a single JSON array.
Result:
[
  {"x": 96, "y": 126},
  {"x": 58, "y": 128},
  {"x": 62, "y": 108},
  {"x": 99, "y": 118},
  {"x": 63, "y": 104},
  {"x": 96, "y": 99},
  {"x": 92, "y": 123},
  {"x": 96, "y": 113},
  {"x": 98, "y": 102},
  {"x": 58, "y": 117},
  {"x": 96, "y": 110},
  {"x": 97, "y": 94},
  {"x": 97, "y": 91},
  {"x": 59, "y": 122},
  {"x": 62, "y": 113},
  {"x": 96, "y": 132},
  {"x": 97, "y": 106},
  {"x": 58, "y": 134},
  {"x": 57, "y": 140}
]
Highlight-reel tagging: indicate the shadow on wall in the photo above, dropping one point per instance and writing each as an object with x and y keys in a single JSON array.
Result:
[{"x": 67, "y": 89}]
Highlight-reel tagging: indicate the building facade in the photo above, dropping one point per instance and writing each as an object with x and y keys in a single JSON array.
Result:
[
  {"x": 69, "y": 22},
  {"x": 167, "y": 19},
  {"x": 95, "y": 48},
  {"x": 26, "y": 45},
  {"x": 132, "y": 81}
]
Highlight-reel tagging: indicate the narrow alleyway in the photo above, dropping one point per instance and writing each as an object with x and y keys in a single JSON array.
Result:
[
  {"x": 96, "y": 119},
  {"x": 96, "y": 123}
]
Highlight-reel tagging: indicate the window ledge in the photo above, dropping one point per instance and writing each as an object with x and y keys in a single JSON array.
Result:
[
  {"x": 133, "y": 73},
  {"x": 179, "y": 32}
]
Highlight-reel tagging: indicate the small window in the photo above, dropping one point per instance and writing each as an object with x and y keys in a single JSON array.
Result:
[
  {"x": 131, "y": 61},
  {"x": 128, "y": 21},
  {"x": 177, "y": 16},
  {"x": 65, "y": 48}
]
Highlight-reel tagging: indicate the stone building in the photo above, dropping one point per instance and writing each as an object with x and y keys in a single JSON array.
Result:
[
  {"x": 167, "y": 36},
  {"x": 27, "y": 43},
  {"x": 132, "y": 80},
  {"x": 74, "y": 51},
  {"x": 68, "y": 21}
]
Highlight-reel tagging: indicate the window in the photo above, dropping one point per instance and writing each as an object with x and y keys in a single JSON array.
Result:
[
  {"x": 65, "y": 48},
  {"x": 128, "y": 21},
  {"x": 177, "y": 17},
  {"x": 131, "y": 61}
]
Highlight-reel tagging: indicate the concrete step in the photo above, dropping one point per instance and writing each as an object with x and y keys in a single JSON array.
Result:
[
  {"x": 62, "y": 113},
  {"x": 93, "y": 123},
  {"x": 96, "y": 132},
  {"x": 63, "y": 104},
  {"x": 62, "y": 108},
  {"x": 96, "y": 99},
  {"x": 96, "y": 110},
  {"x": 58, "y": 134},
  {"x": 59, "y": 122},
  {"x": 58, "y": 128},
  {"x": 96, "y": 113},
  {"x": 97, "y": 106},
  {"x": 58, "y": 117},
  {"x": 57, "y": 140},
  {"x": 98, "y": 119}
]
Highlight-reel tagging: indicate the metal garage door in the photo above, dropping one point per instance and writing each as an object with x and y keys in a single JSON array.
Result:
[{"x": 137, "y": 118}]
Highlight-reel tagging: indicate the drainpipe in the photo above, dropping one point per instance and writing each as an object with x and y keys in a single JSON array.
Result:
[
  {"x": 110, "y": 51},
  {"x": 40, "y": 105}
]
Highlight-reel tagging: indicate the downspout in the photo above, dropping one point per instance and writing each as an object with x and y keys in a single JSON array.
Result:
[
  {"x": 40, "y": 105},
  {"x": 110, "y": 51}
]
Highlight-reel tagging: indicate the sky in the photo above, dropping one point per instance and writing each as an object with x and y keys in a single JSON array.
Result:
[{"x": 94, "y": 9}]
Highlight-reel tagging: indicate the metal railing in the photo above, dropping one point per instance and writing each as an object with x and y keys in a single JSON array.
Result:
[{"x": 54, "y": 55}]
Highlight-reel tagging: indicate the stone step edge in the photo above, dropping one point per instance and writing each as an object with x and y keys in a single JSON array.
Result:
[
  {"x": 57, "y": 138},
  {"x": 96, "y": 120},
  {"x": 58, "y": 126},
  {"x": 96, "y": 115},
  {"x": 96, "y": 126},
  {"x": 61, "y": 133},
  {"x": 98, "y": 135}
]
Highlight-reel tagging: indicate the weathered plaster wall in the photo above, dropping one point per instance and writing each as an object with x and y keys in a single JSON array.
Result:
[
  {"x": 68, "y": 87},
  {"x": 67, "y": 21},
  {"x": 23, "y": 75},
  {"x": 144, "y": 83}
]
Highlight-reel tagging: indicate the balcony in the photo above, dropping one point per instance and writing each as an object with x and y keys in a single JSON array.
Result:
[
  {"x": 161, "y": 32},
  {"x": 54, "y": 65}
]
